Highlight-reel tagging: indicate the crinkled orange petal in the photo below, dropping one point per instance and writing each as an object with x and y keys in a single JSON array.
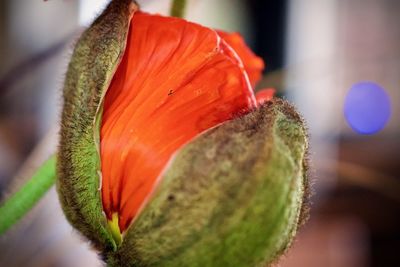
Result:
[
  {"x": 253, "y": 64},
  {"x": 176, "y": 79},
  {"x": 265, "y": 95}
]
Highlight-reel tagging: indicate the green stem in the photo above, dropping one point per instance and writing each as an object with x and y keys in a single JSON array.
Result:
[
  {"x": 178, "y": 8},
  {"x": 14, "y": 208}
]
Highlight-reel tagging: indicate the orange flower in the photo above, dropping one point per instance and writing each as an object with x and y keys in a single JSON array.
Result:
[{"x": 176, "y": 80}]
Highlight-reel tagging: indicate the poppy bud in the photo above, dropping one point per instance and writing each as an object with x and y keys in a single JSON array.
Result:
[{"x": 165, "y": 157}]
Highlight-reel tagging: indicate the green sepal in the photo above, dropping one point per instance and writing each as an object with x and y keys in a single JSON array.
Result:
[
  {"x": 234, "y": 196},
  {"x": 93, "y": 64}
]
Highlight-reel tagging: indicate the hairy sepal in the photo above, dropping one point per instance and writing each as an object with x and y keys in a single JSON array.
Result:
[
  {"x": 94, "y": 61},
  {"x": 234, "y": 196}
]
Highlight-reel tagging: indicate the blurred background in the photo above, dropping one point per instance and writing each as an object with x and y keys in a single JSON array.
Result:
[{"x": 315, "y": 51}]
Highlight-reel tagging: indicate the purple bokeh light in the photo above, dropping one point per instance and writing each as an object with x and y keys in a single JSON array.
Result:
[{"x": 367, "y": 108}]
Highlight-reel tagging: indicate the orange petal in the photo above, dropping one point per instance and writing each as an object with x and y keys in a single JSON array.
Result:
[
  {"x": 265, "y": 95},
  {"x": 253, "y": 64},
  {"x": 176, "y": 79}
]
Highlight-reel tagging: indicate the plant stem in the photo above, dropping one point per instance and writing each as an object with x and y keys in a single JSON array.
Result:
[
  {"x": 14, "y": 208},
  {"x": 178, "y": 8}
]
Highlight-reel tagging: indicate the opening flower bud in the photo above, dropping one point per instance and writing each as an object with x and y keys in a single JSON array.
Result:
[
  {"x": 167, "y": 157},
  {"x": 176, "y": 80}
]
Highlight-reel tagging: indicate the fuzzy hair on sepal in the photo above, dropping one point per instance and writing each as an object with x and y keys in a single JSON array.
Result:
[
  {"x": 234, "y": 196},
  {"x": 93, "y": 63}
]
